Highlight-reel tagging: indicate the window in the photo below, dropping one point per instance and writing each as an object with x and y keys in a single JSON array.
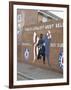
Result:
[{"x": 44, "y": 19}]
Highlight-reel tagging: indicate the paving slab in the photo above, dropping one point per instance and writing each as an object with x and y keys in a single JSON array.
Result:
[{"x": 30, "y": 72}]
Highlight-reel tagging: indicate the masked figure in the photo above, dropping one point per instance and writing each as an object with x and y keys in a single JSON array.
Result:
[{"x": 41, "y": 48}]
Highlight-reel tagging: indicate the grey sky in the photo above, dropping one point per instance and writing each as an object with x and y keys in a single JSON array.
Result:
[{"x": 58, "y": 13}]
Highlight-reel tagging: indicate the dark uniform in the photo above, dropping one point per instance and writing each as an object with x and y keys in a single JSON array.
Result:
[
  {"x": 47, "y": 48},
  {"x": 41, "y": 49}
]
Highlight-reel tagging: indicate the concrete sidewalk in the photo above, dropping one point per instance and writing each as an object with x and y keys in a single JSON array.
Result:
[{"x": 30, "y": 72}]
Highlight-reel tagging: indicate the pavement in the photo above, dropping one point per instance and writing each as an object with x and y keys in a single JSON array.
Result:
[{"x": 30, "y": 72}]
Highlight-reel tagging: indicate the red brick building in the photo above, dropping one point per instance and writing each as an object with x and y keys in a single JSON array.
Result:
[{"x": 38, "y": 21}]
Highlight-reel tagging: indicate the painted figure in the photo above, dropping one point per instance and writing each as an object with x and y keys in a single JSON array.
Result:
[
  {"x": 47, "y": 39},
  {"x": 41, "y": 48},
  {"x": 34, "y": 45}
]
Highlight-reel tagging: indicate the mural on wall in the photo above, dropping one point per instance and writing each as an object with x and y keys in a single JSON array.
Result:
[
  {"x": 41, "y": 35},
  {"x": 61, "y": 59},
  {"x": 26, "y": 54}
]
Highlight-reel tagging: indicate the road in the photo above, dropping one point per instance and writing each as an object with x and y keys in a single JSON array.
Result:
[{"x": 31, "y": 72}]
